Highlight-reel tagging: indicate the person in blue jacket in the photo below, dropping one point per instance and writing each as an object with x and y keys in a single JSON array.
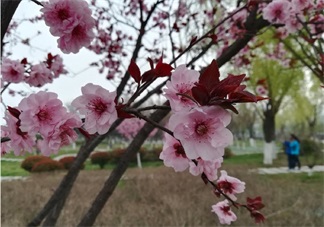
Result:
[
  {"x": 286, "y": 146},
  {"x": 294, "y": 146}
]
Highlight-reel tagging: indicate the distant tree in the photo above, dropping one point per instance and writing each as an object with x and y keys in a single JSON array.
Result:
[{"x": 281, "y": 84}]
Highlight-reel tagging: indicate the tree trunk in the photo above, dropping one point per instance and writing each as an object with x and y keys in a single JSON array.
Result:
[{"x": 269, "y": 136}]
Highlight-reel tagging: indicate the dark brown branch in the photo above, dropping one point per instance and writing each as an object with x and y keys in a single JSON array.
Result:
[
  {"x": 5, "y": 139},
  {"x": 154, "y": 107},
  {"x": 136, "y": 51},
  {"x": 63, "y": 190},
  {"x": 117, "y": 173},
  {"x": 147, "y": 119},
  {"x": 8, "y": 8}
]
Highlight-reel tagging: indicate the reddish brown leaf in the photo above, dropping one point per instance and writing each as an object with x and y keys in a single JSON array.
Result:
[
  {"x": 255, "y": 204},
  {"x": 214, "y": 38},
  {"x": 14, "y": 112},
  {"x": 194, "y": 39},
  {"x": 210, "y": 76},
  {"x": 148, "y": 75},
  {"x": 134, "y": 71},
  {"x": 258, "y": 217},
  {"x": 24, "y": 61},
  {"x": 200, "y": 94}
]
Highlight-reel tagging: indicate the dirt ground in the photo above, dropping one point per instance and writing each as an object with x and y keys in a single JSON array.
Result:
[{"x": 160, "y": 197}]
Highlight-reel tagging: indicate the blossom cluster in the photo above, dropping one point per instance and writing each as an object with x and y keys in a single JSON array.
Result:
[
  {"x": 293, "y": 13},
  {"x": 42, "y": 114},
  {"x": 71, "y": 21},
  {"x": 199, "y": 104},
  {"x": 15, "y": 71},
  {"x": 131, "y": 126}
]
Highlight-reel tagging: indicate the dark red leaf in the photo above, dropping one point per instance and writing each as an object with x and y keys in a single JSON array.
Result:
[
  {"x": 244, "y": 96},
  {"x": 194, "y": 39},
  {"x": 134, "y": 71},
  {"x": 200, "y": 94},
  {"x": 14, "y": 112},
  {"x": 121, "y": 113},
  {"x": 210, "y": 76},
  {"x": 229, "y": 107},
  {"x": 228, "y": 85},
  {"x": 149, "y": 75},
  {"x": 163, "y": 69},
  {"x": 24, "y": 61},
  {"x": 258, "y": 217},
  {"x": 214, "y": 38},
  {"x": 255, "y": 204}
]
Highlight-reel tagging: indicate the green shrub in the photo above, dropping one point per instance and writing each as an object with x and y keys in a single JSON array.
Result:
[
  {"x": 67, "y": 162},
  {"x": 151, "y": 155},
  {"x": 118, "y": 153},
  {"x": 30, "y": 161},
  {"x": 228, "y": 153},
  {"x": 312, "y": 152},
  {"x": 47, "y": 165},
  {"x": 309, "y": 147},
  {"x": 101, "y": 158}
]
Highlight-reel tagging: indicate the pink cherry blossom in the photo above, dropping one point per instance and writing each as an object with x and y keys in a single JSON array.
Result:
[
  {"x": 60, "y": 15},
  {"x": 39, "y": 75},
  {"x": 224, "y": 212},
  {"x": 261, "y": 90},
  {"x": 63, "y": 134},
  {"x": 98, "y": 106},
  {"x": 173, "y": 154},
  {"x": 5, "y": 146},
  {"x": 277, "y": 11},
  {"x": 230, "y": 185},
  {"x": 202, "y": 131},
  {"x": 80, "y": 36},
  {"x": 20, "y": 141},
  {"x": 12, "y": 71},
  {"x": 40, "y": 112},
  {"x": 182, "y": 80},
  {"x": 71, "y": 20},
  {"x": 292, "y": 24},
  {"x": 131, "y": 126},
  {"x": 57, "y": 66},
  {"x": 209, "y": 168},
  {"x": 299, "y": 5}
]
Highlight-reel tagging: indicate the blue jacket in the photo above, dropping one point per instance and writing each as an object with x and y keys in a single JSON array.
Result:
[
  {"x": 294, "y": 147},
  {"x": 286, "y": 145}
]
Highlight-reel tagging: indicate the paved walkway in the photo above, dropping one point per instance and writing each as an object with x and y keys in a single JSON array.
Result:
[{"x": 279, "y": 170}]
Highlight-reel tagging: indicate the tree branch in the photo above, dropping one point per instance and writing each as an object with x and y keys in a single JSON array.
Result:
[
  {"x": 8, "y": 8},
  {"x": 63, "y": 190}
]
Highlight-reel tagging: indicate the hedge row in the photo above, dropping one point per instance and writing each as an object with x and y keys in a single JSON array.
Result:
[
  {"x": 40, "y": 163},
  {"x": 102, "y": 158}
]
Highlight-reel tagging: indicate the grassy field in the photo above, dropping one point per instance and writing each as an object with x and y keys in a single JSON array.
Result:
[
  {"x": 10, "y": 168},
  {"x": 157, "y": 196}
]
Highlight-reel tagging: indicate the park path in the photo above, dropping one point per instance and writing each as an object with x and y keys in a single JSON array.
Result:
[
  {"x": 265, "y": 170},
  {"x": 281, "y": 170}
]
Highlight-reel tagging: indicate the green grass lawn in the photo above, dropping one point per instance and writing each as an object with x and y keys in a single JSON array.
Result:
[{"x": 9, "y": 168}]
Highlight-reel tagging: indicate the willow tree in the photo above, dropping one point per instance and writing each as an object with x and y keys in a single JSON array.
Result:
[{"x": 282, "y": 83}]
